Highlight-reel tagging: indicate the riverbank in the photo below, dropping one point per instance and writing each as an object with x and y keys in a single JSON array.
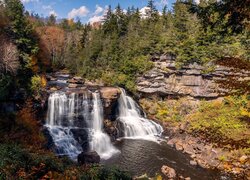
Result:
[{"x": 197, "y": 128}]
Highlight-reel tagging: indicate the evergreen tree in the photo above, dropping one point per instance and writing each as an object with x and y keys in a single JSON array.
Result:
[
  {"x": 165, "y": 15},
  {"x": 22, "y": 34},
  {"x": 152, "y": 12},
  {"x": 51, "y": 20}
]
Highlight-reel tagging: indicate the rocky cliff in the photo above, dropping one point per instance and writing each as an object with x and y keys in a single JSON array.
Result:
[{"x": 193, "y": 80}]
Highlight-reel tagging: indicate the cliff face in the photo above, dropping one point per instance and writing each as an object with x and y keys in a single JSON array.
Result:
[{"x": 166, "y": 80}]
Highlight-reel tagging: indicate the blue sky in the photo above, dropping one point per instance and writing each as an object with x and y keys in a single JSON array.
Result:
[{"x": 86, "y": 10}]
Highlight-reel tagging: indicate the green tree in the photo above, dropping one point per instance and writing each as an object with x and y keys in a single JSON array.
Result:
[
  {"x": 21, "y": 31},
  {"x": 51, "y": 20},
  {"x": 152, "y": 12}
]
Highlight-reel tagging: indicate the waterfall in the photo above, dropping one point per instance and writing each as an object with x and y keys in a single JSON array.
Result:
[
  {"x": 60, "y": 107},
  {"x": 134, "y": 124},
  {"x": 74, "y": 120},
  {"x": 75, "y": 123},
  {"x": 101, "y": 142}
]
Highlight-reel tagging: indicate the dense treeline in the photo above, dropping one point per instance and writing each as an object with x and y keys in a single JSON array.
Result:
[
  {"x": 30, "y": 46},
  {"x": 121, "y": 48}
]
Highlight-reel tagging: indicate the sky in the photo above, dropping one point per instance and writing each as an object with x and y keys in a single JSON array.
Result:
[{"x": 85, "y": 10}]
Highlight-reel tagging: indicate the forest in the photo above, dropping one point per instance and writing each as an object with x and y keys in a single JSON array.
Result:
[{"x": 115, "y": 51}]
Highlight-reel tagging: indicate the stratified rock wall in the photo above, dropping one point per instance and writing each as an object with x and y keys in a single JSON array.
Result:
[{"x": 166, "y": 80}]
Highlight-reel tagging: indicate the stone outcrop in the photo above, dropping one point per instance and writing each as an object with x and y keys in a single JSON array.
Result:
[
  {"x": 90, "y": 157},
  {"x": 192, "y": 80},
  {"x": 110, "y": 96}
]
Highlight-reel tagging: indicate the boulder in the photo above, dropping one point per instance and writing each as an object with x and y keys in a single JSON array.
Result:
[
  {"x": 78, "y": 78},
  {"x": 73, "y": 86},
  {"x": 72, "y": 81},
  {"x": 193, "y": 163},
  {"x": 168, "y": 172},
  {"x": 179, "y": 146},
  {"x": 90, "y": 157},
  {"x": 53, "y": 89},
  {"x": 110, "y": 96}
]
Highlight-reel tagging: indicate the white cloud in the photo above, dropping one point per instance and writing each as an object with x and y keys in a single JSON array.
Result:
[
  {"x": 81, "y": 12},
  {"x": 95, "y": 19},
  {"x": 143, "y": 12},
  {"x": 98, "y": 15},
  {"x": 28, "y": 1},
  {"x": 48, "y": 7},
  {"x": 98, "y": 10},
  {"x": 52, "y": 12}
]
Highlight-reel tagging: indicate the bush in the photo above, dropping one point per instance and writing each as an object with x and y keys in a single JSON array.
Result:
[
  {"x": 36, "y": 84},
  {"x": 225, "y": 122},
  {"x": 16, "y": 162}
]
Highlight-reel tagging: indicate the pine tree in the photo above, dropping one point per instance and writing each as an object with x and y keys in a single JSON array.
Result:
[
  {"x": 108, "y": 14},
  {"x": 165, "y": 15},
  {"x": 129, "y": 13},
  {"x": 51, "y": 20},
  {"x": 152, "y": 12}
]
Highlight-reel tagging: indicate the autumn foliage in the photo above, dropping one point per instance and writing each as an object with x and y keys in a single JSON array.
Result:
[
  {"x": 27, "y": 128},
  {"x": 52, "y": 45}
]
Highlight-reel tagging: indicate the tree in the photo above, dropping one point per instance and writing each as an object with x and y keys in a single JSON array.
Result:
[
  {"x": 9, "y": 57},
  {"x": 165, "y": 15},
  {"x": 52, "y": 41},
  {"x": 152, "y": 12},
  {"x": 51, "y": 20},
  {"x": 21, "y": 32},
  {"x": 108, "y": 14},
  {"x": 85, "y": 35}
]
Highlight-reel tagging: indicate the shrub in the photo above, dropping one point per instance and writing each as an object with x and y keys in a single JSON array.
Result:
[
  {"x": 36, "y": 84},
  {"x": 225, "y": 122}
]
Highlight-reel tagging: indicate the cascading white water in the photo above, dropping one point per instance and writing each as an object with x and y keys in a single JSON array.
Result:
[
  {"x": 100, "y": 141},
  {"x": 60, "y": 107},
  {"x": 69, "y": 114},
  {"x": 134, "y": 124}
]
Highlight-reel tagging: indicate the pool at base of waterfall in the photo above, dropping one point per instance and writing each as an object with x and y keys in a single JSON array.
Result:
[{"x": 140, "y": 157}]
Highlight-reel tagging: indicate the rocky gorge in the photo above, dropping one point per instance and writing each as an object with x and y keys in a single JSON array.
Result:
[{"x": 164, "y": 80}]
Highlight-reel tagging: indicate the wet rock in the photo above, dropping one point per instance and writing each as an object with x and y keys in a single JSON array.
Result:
[
  {"x": 72, "y": 81},
  {"x": 111, "y": 129},
  {"x": 81, "y": 136},
  {"x": 193, "y": 163},
  {"x": 168, "y": 172},
  {"x": 53, "y": 89},
  {"x": 90, "y": 157},
  {"x": 110, "y": 96},
  {"x": 52, "y": 79},
  {"x": 78, "y": 78},
  {"x": 73, "y": 86},
  {"x": 171, "y": 142}
]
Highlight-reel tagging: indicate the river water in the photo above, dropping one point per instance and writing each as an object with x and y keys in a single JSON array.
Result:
[{"x": 147, "y": 157}]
